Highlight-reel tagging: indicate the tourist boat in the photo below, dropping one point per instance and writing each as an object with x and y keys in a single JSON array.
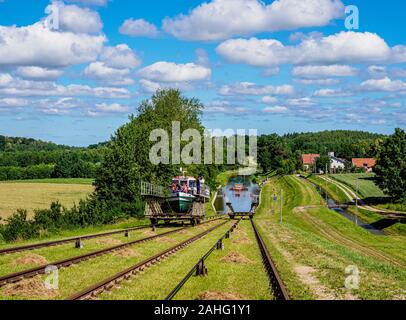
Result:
[
  {"x": 239, "y": 187},
  {"x": 184, "y": 192}
]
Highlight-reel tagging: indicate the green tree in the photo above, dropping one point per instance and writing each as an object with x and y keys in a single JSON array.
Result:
[
  {"x": 323, "y": 162},
  {"x": 127, "y": 161},
  {"x": 391, "y": 165}
]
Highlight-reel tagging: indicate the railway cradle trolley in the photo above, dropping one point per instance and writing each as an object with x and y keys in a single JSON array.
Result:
[{"x": 184, "y": 200}]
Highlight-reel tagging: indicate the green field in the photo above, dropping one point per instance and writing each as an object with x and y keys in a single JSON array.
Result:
[
  {"x": 33, "y": 194},
  {"x": 363, "y": 182},
  {"x": 314, "y": 245}
]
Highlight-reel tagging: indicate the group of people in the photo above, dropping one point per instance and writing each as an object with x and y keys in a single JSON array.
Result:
[{"x": 177, "y": 187}]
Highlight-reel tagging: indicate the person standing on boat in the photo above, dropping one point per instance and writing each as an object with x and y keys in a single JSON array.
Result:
[{"x": 198, "y": 185}]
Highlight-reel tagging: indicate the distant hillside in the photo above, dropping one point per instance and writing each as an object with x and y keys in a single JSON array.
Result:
[
  {"x": 344, "y": 143},
  {"x": 15, "y": 144}
]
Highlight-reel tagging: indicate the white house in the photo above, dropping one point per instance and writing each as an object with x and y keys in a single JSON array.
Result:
[{"x": 336, "y": 163}]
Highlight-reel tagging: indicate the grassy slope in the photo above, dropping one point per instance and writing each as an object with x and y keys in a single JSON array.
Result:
[
  {"x": 313, "y": 247},
  {"x": 366, "y": 186},
  {"x": 368, "y": 189},
  {"x": 368, "y": 216}
]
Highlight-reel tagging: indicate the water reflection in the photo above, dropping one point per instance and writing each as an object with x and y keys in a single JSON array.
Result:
[{"x": 239, "y": 191}]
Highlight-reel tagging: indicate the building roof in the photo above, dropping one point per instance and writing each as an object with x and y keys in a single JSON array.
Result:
[
  {"x": 364, "y": 162},
  {"x": 309, "y": 159}
]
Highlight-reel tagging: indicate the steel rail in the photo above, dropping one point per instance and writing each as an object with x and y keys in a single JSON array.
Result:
[
  {"x": 15, "y": 277},
  {"x": 68, "y": 240},
  {"x": 110, "y": 282},
  {"x": 275, "y": 281},
  {"x": 192, "y": 271}
]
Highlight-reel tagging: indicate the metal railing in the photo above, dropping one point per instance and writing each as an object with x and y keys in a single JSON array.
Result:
[{"x": 149, "y": 189}]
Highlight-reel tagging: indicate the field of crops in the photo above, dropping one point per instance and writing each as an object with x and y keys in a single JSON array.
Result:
[
  {"x": 363, "y": 182},
  {"x": 34, "y": 194}
]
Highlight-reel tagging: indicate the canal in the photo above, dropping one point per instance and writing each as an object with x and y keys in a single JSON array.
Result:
[{"x": 239, "y": 191}]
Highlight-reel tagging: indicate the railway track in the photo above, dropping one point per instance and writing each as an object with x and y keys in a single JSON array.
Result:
[
  {"x": 109, "y": 283},
  {"x": 68, "y": 240},
  {"x": 275, "y": 281},
  {"x": 15, "y": 277},
  {"x": 276, "y": 284}
]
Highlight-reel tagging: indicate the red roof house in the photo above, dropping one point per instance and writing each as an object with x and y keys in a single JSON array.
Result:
[
  {"x": 367, "y": 163},
  {"x": 309, "y": 159}
]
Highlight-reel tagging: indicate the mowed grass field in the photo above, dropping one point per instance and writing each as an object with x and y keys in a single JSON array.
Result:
[
  {"x": 363, "y": 182},
  {"x": 315, "y": 247},
  {"x": 38, "y": 194}
]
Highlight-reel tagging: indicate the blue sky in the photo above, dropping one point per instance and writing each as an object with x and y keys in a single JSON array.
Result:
[{"x": 276, "y": 66}]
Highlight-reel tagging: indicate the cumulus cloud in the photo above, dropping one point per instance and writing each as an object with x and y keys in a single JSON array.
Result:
[
  {"x": 320, "y": 82},
  {"x": 13, "y": 102},
  {"x": 75, "y": 19},
  {"x": 37, "y": 45},
  {"x": 318, "y": 72},
  {"x": 38, "y": 73},
  {"x": 377, "y": 71},
  {"x": 276, "y": 109},
  {"x": 120, "y": 56},
  {"x": 384, "y": 84},
  {"x": 5, "y": 79},
  {"x": 223, "y": 19},
  {"x": 327, "y": 93},
  {"x": 249, "y": 88},
  {"x": 343, "y": 47},
  {"x": 98, "y": 71},
  {"x": 138, "y": 28},
  {"x": 171, "y": 72},
  {"x": 28, "y": 88},
  {"x": 90, "y": 2}
]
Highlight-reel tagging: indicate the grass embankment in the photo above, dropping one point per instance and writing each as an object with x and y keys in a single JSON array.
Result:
[
  {"x": 84, "y": 181},
  {"x": 314, "y": 246},
  {"x": 364, "y": 185},
  {"x": 39, "y": 195},
  {"x": 392, "y": 227},
  {"x": 80, "y": 276}
]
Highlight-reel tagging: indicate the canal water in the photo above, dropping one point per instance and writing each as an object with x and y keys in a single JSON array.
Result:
[
  {"x": 350, "y": 216},
  {"x": 240, "y": 200}
]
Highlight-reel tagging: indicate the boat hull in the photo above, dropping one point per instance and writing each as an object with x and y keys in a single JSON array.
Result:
[{"x": 181, "y": 203}]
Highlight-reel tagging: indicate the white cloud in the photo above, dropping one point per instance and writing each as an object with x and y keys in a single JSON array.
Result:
[
  {"x": 318, "y": 72},
  {"x": 327, "y": 93},
  {"x": 138, "y": 28},
  {"x": 321, "y": 82},
  {"x": 269, "y": 100},
  {"x": 384, "y": 84},
  {"x": 249, "y": 88},
  {"x": 37, "y": 45},
  {"x": 172, "y": 72},
  {"x": 90, "y": 2},
  {"x": 152, "y": 86},
  {"x": 98, "y": 71},
  {"x": 5, "y": 79},
  {"x": 120, "y": 56},
  {"x": 377, "y": 71},
  {"x": 223, "y": 19},
  {"x": 38, "y": 73},
  {"x": 112, "y": 108},
  {"x": 75, "y": 19},
  {"x": 344, "y": 47},
  {"x": 13, "y": 102},
  {"x": 276, "y": 109},
  {"x": 301, "y": 102},
  {"x": 27, "y": 88}
]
